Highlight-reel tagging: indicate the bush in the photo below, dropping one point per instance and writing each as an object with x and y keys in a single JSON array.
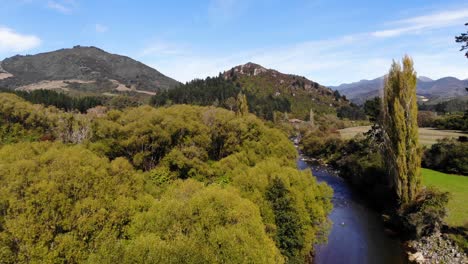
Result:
[
  {"x": 425, "y": 214},
  {"x": 448, "y": 155},
  {"x": 351, "y": 112},
  {"x": 321, "y": 144},
  {"x": 454, "y": 122}
]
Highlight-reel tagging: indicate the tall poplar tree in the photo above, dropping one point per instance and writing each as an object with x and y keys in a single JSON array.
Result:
[
  {"x": 400, "y": 126},
  {"x": 242, "y": 105}
]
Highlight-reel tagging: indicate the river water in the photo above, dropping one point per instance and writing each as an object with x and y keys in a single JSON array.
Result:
[{"x": 357, "y": 235}]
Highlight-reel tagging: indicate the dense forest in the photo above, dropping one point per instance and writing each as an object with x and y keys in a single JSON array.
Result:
[
  {"x": 218, "y": 91},
  {"x": 152, "y": 185},
  {"x": 59, "y": 100}
]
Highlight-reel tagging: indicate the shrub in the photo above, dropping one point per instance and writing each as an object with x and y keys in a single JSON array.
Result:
[
  {"x": 448, "y": 155},
  {"x": 424, "y": 215}
]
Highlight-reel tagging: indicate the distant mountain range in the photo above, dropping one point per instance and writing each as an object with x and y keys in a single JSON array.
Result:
[
  {"x": 428, "y": 89},
  {"x": 82, "y": 70}
]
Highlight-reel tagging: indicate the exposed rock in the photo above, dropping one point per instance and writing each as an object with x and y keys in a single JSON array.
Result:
[{"x": 436, "y": 248}]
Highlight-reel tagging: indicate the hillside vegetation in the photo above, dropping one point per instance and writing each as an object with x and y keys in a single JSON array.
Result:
[
  {"x": 146, "y": 185},
  {"x": 270, "y": 94}
]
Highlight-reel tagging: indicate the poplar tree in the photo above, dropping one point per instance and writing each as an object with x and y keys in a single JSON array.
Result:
[
  {"x": 242, "y": 106},
  {"x": 311, "y": 118},
  {"x": 400, "y": 127}
]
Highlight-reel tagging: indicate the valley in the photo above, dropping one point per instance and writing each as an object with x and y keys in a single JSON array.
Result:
[{"x": 233, "y": 131}]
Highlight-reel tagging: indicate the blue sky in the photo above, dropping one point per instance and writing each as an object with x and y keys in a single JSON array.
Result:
[{"x": 327, "y": 41}]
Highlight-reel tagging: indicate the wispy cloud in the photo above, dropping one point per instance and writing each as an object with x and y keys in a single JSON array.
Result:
[
  {"x": 100, "y": 28},
  {"x": 364, "y": 55},
  {"x": 426, "y": 22},
  {"x": 63, "y": 6},
  {"x": 11, "y": 41}
]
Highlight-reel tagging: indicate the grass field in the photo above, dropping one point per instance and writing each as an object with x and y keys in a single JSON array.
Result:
[
  {"x": 458, "y": 187},
  {"x": 427, "y": 136}
]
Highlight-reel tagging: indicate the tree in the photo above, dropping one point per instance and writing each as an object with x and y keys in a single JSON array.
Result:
[
  {"x": 290, "y": 237},
  {"x": 400, "y": 130},
  {"x": 311, "y": 118},
  {"x": 242, "y": 106},
  {"x": 463, "y": 39},
  {"x": 372, "y": 108}
]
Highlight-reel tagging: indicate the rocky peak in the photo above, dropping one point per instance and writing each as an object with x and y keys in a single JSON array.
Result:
[{"x": 249, "y": 69}]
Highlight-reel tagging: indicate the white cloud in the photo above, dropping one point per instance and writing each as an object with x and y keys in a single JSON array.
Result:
[
  {"x": 63, "y": 6},
  {"x": 332, "y": 61},
  {"x": 101, "y": 28},
  {"x": 11, "y": 41},
  {"x": 426, "y": 22}
]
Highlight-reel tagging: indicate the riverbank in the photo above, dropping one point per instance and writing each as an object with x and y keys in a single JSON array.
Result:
[
  {"x": 437, "y": 248},
  {"x": 349, "y": 207},
  {"x": 357, "y": 234}
]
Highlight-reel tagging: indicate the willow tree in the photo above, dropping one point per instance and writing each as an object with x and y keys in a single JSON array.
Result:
[{"x": 400, "y": 126}]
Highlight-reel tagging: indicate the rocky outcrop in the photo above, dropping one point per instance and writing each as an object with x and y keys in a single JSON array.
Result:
[{"x": 437, "y": 248}]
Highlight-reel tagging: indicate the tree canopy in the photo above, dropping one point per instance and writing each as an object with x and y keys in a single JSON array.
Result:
[
  {"x": 400, "y": 126},
  {"x": 463, "y": 39},
  {"x": 150, "y": 185}
]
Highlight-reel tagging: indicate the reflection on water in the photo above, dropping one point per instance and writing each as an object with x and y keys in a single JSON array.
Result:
[{"x": 357, "y": 234}]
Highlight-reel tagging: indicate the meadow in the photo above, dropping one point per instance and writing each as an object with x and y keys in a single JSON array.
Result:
[
  {"x": 458, "y": 187},
  {"x": 427, "y": 136}
]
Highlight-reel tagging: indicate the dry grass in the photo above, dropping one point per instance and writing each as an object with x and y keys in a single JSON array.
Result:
[
  {"x": 427, "y": 136},
  {"x": 4, "y": 75}
]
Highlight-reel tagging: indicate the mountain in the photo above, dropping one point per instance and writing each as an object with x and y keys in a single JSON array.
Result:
[
  {"x": 424, "y": 79},
  {"x": 302, "y": 93},
  {"x": 441, "y": 89},
  {"x": 81, "y": 70}
]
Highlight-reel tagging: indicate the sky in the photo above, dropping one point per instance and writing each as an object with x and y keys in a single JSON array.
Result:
[{"x": 327, "y": 41}]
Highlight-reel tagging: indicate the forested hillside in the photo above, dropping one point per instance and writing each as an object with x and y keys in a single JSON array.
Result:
[
  {"x": 152, "y": 185},
  {"x": 269, "y": 93}
]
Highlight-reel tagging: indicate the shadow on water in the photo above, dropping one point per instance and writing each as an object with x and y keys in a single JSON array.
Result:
[{"x": 357, "y": 234}]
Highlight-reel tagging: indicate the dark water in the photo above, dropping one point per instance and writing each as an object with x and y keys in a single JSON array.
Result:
[{"x": 357, "y": 235}]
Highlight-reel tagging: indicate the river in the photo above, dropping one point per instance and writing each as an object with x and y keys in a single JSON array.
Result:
[{"x": 357, "y": 235}]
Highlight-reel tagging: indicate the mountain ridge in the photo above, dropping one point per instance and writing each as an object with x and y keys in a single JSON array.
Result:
[
  {"x": 442, "y": 88},
  {"x": 85, "y": 64}
]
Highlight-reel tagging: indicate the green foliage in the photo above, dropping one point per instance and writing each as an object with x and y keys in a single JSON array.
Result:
[
  {"x": 22, "y": 121},
  {"x": 59, "y": 100},
  {"x": 448, "y": 155},
  {"x": 400, "y": 127},
  {"x": 373, "y": 109},
  {"x": 60, "y": 203},
  {"x": 352, "y": 112},
  {"x": 463, "y": 39},
  {"x": 184, "y": 138},
  {"x": 121, "y": 102},
  {"x": 191, "y": 223},
  {"x": 293, "y": 205},
  {"x": 220, "y": 92},
  {"x": 320, "y": 144},
  {"x": 70, "y": 203},
  {"x": 457, "y": 186},
  {"x": 425, "y": 214},
  {"x": 453, "y": 122},
  {"x": 289, "y": 236},
  {"x": 242, "y": 106}
]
